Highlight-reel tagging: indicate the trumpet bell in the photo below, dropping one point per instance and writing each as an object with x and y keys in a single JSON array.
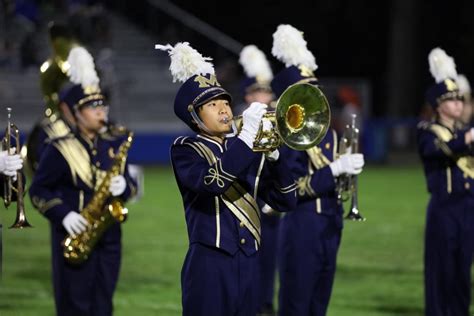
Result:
[
  {"x": 354, "y": 215},
  {"x": 302, "y": 116}
]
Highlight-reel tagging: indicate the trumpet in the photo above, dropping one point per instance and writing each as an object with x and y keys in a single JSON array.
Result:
[
  {"x": 300, "y": 120},
  {"x": 347, "y": 187},
  {"x": 9, "y": 187}
]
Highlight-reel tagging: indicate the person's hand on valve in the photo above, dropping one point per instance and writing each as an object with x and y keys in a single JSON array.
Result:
[
  {"x": 251, "y": 118},
  {"x": 74, "y": 223},
  {"x": 268, "y": 126},
  {"x": 10, "y": 164},
  {"x": 117, "y": 185},
  {"x": 347, "y": 164}
]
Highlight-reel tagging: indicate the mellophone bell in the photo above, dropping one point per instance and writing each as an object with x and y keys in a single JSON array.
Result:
[{"x": 300, "y": 120}]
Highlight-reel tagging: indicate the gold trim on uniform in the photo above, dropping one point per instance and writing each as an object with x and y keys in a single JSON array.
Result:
[
  {"x": 288, "y": 189},
  {"x": 317, "y": 157},
  {"x": 466, "y": 163},
  {"x": 42, "y": 205},
  {"x": 94, "y": 97},
  {"x": 81, "y": 200},
  {"x": 448, "y": 180},
  {"x": 218, "y": 223},
  {"x": 318, "y": 205},
  {"x": 304, "y": 186},
  {"x": 77, "y": 158}
]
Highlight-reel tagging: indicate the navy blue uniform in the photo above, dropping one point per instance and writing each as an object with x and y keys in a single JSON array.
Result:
[
  {"x": 310, "y": 235},
  {"x": 268, "y": 260},
  {"x": 449, "y": 234},
  {"x": 219, "y": 184},
  {"x": 70, "y": 170}
]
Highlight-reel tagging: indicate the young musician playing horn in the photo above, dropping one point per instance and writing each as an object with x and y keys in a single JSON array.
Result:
[
  {"x": 220, "y": 178},
  {"x": 309, "y": 236},
  {"x": 69, "y": 172}
]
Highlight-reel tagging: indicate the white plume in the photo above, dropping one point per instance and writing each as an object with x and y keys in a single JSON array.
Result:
[
  {"x": 81, "y": 68},
  {"x": 442, "y": 66},
  {"x": 290, "y": 48},
  {"x": 463, "y": 84},
  {"x": 255, "y": 63},
  {"x": 186, "y": 61}
]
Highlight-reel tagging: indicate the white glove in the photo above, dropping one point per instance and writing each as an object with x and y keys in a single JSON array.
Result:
[
  {"x": 9, "y": 164},
  {"x": 251, "y": 122},
  {"x": 348, "y": 164},
  {"x": 117, "y": 185},
  {"x": 75, "y": 223},
  {"x": 273, "y": 156}
]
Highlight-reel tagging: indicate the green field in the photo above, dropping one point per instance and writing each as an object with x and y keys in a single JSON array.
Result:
[{"x": 379, "y": 266}]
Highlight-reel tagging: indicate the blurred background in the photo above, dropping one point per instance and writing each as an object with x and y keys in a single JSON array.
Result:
[{"x": 372, "y": 59}]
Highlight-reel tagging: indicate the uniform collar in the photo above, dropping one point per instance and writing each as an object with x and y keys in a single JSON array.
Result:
[{"x": 214, "y": 142}]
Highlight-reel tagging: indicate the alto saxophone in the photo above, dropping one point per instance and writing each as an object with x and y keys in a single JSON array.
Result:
[{"x": 98, "y": 213}]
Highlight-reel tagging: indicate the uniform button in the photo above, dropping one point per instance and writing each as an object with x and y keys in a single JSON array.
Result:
[
  {"x": 242, "y": 241},
  {"x": 94, "y": 152},
  {"x": 467, "y": 185},
  {"x": 97, "y": 164},
  {"x": 241, "y": 224}
]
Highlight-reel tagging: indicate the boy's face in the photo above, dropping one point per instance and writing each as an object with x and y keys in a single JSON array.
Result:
[
  {"x": 451, "y": 108},
  {"x": 217, "y": 116}
]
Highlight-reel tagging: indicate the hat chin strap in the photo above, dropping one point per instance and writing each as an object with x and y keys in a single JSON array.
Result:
[
  {"x": 203, "y": 127},
  {"x": 199, "y": 122}
]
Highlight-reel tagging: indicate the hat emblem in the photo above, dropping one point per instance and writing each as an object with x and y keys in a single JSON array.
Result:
[
  {"x": 205, "y": 82},
  {"x": 305, "y": 71},
  {"x": 450, "y": 85}
]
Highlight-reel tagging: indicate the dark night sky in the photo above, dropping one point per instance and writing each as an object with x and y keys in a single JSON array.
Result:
[{"x": 351, "y": 38}]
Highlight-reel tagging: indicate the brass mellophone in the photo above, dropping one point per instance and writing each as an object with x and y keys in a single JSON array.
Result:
[
  {"x": 347, "y": 187},
  {"x": 10, "y": 187},
  {"x": 300, "y": 120}
]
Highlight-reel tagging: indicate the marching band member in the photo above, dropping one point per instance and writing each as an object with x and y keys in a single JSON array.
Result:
[
  {"x": 309, "y": 236},
  {"x": 255, "y": 87},
  {"x": 220, "y": 178},
  {"x": 70, "y": 171},
  {"x": 446, "y": 153}
]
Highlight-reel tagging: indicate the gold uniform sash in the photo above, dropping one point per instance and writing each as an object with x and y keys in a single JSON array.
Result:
[
  {"x": 240, "y": 202},
  {"x": 465, "y": 163}
]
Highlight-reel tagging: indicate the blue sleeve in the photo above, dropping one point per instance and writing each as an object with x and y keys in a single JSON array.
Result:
[
  {"x": 194, "y": 172},
  {"x": 278, "y": 187},
  {"x": 43, "y": 191},
  {"x": 430, "y": 146},
  {"x": 309, "y": 186}
]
